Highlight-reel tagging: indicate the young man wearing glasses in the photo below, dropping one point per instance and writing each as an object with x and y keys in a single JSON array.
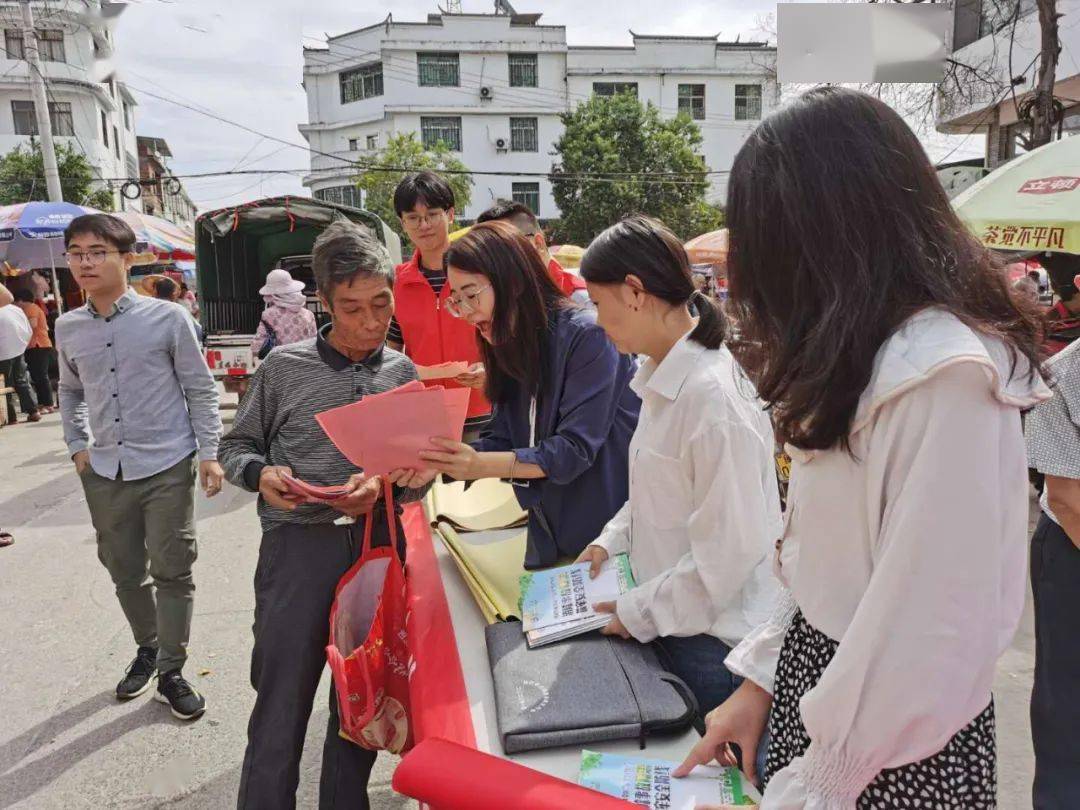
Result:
[
  {"x": 429, "y": 331},
  {"x": 140, "y": 414}
]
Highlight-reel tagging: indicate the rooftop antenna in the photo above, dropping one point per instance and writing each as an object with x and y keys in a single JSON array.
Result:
[
  {"x": 504, "y": 7},
  {"x": 452, "y": 7}
]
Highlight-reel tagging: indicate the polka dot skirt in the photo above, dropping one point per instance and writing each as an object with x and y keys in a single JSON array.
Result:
[{"x": 962, "y": 776}]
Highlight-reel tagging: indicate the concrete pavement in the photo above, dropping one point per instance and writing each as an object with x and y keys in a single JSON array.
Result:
[{"x": 66, "y": 743}]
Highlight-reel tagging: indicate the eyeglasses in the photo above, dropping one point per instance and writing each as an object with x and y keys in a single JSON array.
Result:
[
  {"x": 430, "y": 218},
  {"x": 94, "y": 257},
  {"x": 461, "y": 306}
]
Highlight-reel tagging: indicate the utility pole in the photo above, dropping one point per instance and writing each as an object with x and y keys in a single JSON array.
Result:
[{"x": 41, "y": 103}]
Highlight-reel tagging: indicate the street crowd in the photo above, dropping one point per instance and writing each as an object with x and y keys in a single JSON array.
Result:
[{"x": 841, "y": 651}]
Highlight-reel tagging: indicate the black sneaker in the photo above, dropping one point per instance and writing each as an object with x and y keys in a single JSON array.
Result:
[
  {"x": 139, "y": 675},
  {"x": 186, "y": 702}
]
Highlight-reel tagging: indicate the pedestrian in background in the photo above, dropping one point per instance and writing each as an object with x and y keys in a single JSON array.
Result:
[
  {"x": 39, "y": 351},
  {"x": 286, "y": 318},
  {"x": 15, "y": 335},
  {"x": 166, "y": 289},
  {"x": 1053, "y": 437},
  {"x": 140, "y": 413}
]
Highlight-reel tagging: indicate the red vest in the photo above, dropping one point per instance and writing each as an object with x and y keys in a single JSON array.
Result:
[
  {"x": 432, "y": 335},
  {"x": 567, "y": 282}
]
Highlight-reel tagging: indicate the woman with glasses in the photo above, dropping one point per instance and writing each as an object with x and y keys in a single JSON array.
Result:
[{"x": 563, "y": 410}]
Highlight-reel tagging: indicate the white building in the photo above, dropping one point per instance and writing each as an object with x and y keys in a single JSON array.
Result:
[
  {"x": 983, "y": 39},
  {"x": 493, "y": 86},
  {"x": 94, "y": 118}
]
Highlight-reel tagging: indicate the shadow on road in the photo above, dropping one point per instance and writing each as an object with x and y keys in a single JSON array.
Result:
[{"x": 19, "y": 783}]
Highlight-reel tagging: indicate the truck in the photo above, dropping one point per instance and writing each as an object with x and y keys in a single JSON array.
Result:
[{"x": 236, "y": 247}]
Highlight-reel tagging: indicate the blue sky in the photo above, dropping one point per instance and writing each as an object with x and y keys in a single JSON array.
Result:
[{"x": 242, "y": 60}]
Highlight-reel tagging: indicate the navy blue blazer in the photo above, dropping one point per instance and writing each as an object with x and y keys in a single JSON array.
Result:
[{"x": 584, "y": 422}]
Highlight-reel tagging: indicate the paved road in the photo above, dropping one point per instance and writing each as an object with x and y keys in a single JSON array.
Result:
[{"x": 66, "y": 743}]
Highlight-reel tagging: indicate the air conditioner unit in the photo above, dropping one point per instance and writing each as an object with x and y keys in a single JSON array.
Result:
[
  {"x": 487, "y": 93},
  {"x": 502, "y": 144}
]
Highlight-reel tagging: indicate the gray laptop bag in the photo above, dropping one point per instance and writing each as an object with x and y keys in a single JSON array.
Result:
[{"x": 587, "y": 689}]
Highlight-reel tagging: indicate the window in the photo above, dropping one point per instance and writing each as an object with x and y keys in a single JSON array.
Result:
[
  {"x": 13, "y": 43},
  {"x": 127, "y": 116},
  {"x": 363, "y": 82},
  {"x": 438, "y": 70},
  {"x": 747, "y": 102},
  {"x": 434, "y": 129},
  {"x": 611, "y": 88},
  {"x": 523, "y": 135},
  {"x": 372, "y": 141},
  {"x": 116, "y": 142},
  {"x": 527, "y": 194},
  {"x": 353, "y": 144},
  {"x": 105, "y": 129},
  {"x": 692, "y": 100},
  {"x": 132, "y": 166},
  {"x": 59, "y": 117},
  {"x": 340, "y": 195},
  {"x": 51, "y": 45},
  {"x": 523, "y": 70}
]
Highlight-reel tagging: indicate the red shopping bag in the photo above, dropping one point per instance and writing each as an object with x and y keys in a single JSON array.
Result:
[{"x": 368, "y": 651}]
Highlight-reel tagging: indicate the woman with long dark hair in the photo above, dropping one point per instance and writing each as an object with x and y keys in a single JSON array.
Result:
[
  {"x": 563, "y": 410},
  {"x": 704, "y": 509},
  {"x": 896, "y": 364}
]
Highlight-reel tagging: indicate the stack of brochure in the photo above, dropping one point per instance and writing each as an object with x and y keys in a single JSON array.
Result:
[
  {"x": 558, "y": 603},
  {"x": 648, "y": 782}
]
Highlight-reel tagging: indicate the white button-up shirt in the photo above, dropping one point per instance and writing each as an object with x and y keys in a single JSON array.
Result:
[
  {"x": 704, "y": 509},
  {"x": 910, "y": 550}
]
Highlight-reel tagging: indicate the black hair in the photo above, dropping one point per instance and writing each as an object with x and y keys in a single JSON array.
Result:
[
  {"x": 646, "y": 248},
  {"x": 105, "y": 226},
  {"x": 24, "y": 294},
  {"x": 165, "y": 289},
  {"x": 425, "y": 188},
  {"x": 840, "y": 232},
  {"x": 1062, "y": 268},
  {"x": 525, "y": 301},
  {"x": 508, "y": 209}
]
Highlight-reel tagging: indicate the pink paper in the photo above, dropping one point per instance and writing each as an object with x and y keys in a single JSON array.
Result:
[
  {"x": 298, "y": 487},
  {"x": 442, "y": 371},
  {"x": 386, "y": 432}
]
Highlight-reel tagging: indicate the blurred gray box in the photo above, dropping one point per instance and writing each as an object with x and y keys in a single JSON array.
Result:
[{"x": 859, "y": 43}]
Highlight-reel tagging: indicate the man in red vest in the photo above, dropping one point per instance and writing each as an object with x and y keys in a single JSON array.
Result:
[
  {"x": 422, "y": 324},
  {"x": 522, "y": 218}
]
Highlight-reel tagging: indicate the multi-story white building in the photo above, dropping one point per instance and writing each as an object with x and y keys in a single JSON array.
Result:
[
  {"x": 984, "y": 39},
  {"x": 492, "y": 86},
  {"x": 92, "y": 117}
]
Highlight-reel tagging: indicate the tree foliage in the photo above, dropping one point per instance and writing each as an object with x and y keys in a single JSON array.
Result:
[
  {"x": 22, "y": 177},
  {"x": 619, "y": 136},
  {"x": 402, "y": 155}
]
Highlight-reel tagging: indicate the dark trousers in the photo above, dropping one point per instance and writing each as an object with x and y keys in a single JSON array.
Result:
[
  {"x": 14, "y": 372},
  {"x": 38, "y": 362},
  {"x": 299, "y": 567},
  {"x": 1055, "y": 709}
]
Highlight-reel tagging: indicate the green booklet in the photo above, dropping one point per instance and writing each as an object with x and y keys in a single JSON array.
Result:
[
  {"x": 557, "y": 603},
  {"x": 648, "y": 782}
]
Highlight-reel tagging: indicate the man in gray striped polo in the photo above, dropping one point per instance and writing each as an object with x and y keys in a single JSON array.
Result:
[{"x": 307, "y": 546}]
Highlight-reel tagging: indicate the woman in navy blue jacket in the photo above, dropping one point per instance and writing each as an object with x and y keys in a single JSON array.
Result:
[{"x": 563, "y": 410}]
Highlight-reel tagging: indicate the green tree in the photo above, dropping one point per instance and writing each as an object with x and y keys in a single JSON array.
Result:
[
  {"x": 618, "y": 136},
  {"x": 22, "y": 177},
  {"x": 402, "y": 155}
]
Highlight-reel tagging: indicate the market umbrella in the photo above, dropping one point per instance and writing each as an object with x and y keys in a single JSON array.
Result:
[
  {"x": 455, "y": 235},
  {"x": 32, "y": 235},
  {"x": 1030, "y": 203},
  {"x": 168, "y": 241},
  {"x": 709, "y": 248},
  {"x": 568, "y": 256}
]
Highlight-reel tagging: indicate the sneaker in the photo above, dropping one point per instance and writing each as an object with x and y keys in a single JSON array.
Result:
[
  {"x": 139, "y": 675},
  {"x": 186, "y": 702}
]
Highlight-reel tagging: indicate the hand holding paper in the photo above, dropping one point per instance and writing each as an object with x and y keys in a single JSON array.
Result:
[{"x": 442, "y": 371}]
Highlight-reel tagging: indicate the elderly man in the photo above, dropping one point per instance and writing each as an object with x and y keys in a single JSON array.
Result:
[{"x": 305, "y": 546}]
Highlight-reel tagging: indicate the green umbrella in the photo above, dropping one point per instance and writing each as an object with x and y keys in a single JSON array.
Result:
[{"x": 1030, "y": 203}]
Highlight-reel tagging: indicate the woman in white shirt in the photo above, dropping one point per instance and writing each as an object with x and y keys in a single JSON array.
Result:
[
  {"x": 897, "y": 364},
  {"x": 704, "y": 510}
]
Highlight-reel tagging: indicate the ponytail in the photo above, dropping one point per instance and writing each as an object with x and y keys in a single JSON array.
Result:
[{"x": 712, "y": 325}]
